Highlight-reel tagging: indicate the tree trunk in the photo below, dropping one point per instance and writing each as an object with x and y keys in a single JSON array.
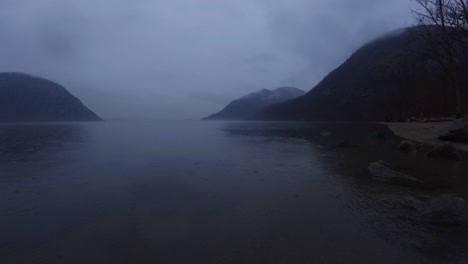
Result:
[
  {"x": 457, "y": 85},
  {"x": 460, "y": 110}
]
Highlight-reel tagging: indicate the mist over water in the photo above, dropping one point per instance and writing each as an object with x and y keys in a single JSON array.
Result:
[
  {"x": 140, "y": 187},
  {"x": 200, "y": 192},
  {"x": 185, "y": 59}
]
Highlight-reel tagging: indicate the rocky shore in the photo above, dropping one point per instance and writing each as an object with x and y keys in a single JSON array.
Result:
[
  {"x": 439, "y": 147},
  {"x": 428, "y": 133}
]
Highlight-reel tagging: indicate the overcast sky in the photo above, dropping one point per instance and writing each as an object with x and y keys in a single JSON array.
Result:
[{"x": 185, "y": 58}]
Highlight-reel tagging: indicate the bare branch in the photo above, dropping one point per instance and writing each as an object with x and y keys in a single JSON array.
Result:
[{"x": 442, "y": 25}]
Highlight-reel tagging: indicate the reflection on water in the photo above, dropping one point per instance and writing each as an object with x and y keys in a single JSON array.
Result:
[
  {"x": 215, "y": 192},
  {"x": 347, "y": 150},
  {"x": 19, "y": 142}
]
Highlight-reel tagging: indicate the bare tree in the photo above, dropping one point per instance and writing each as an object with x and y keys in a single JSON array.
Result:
[{"x": 443, "y": 25}]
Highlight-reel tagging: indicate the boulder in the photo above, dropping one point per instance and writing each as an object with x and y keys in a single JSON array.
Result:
[
  {"x": 408, "y": 146},
  {"x": 386, "y": 172},
  {"x": 444, "y": 151},
  {"x": 457, "y": 131}
]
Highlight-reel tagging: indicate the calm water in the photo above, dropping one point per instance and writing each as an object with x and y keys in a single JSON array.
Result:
[{"x": 206, "y": 192}]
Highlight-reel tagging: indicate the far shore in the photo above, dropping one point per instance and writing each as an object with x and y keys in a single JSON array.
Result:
[{"x": 424, "y": 132}]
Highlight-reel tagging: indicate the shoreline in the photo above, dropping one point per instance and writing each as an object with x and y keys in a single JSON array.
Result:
[{"x": 426, "y": 133}]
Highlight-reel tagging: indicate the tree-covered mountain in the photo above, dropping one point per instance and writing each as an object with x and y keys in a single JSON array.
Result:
[
  {"x": 24, "y": 98},
  {"x": 249, "y": 105},
  {"x": 386, "y": 79}
]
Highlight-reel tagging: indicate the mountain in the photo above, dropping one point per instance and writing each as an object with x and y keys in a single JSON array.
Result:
[
  {"x": 385, "y": 80},
  {"x": 24, "y": 98},
  {"x": 249, "y": 105}
]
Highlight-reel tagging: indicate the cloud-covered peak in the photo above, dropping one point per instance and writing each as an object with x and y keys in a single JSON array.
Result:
[{"x": 174, "y": 58}]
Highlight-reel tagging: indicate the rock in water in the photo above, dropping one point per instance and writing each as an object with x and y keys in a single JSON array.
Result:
[
  {"x": 446, "y": 204},
  {"x": 340, "y": 145},
  {"x": 457, "y": 131},
  {"x": 408, "y": 145},
  {"x": 403, "y": 202},
  {"x": 386, "y": 172},
  {"x": 444, "y": 151},
  {"x": 445, "y": 209}
]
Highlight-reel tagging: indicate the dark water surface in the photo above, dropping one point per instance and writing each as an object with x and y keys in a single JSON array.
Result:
[{"x": 209, "y": 192}]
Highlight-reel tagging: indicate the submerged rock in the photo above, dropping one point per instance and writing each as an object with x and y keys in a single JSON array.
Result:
[
  {"x": 457, "y": 131},
  {"x": 380, "y": 137},
  {"x": 326, "y": 133},
  {"x": 386, "y": 172},
  {"x": 405, "y": 202},
  {"x": 444, "y": 151},
  {"x": 446, "y": 209},
  {"x": 444, "y": 205},
  {"x": 408, "y": 146},
  {"x": 340, "y": 145},
  {"x": 383, "y": 136}
]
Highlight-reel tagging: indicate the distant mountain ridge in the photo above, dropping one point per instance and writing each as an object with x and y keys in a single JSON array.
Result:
[
  {"x": 249, "y": 105},
  {"x": 385, "y": 80},
  {"x": 25, "y": 98}
]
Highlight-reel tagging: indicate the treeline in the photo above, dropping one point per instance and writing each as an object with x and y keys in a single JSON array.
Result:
[
  {"x": 414, "y": 73},
  {"x": 442, "y": 27}
]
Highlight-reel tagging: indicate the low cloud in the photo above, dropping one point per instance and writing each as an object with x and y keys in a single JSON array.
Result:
[{"x": 185, "y": 58}]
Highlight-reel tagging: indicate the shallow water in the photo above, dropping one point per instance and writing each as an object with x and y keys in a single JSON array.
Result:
[{"x": 210, "y": 192}]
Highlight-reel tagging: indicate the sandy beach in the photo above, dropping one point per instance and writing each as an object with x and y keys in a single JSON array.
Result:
[{"x": 423, "y": 132}]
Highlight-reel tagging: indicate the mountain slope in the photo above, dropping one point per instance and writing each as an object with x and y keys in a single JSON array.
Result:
[
  {"x": 383, "y": 80},
  {"x": 247, "y": 106},
  {"x": 24, "y": 98}
]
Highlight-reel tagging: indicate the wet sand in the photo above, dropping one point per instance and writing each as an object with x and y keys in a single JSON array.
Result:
[{"x": 423, "y": 132}]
